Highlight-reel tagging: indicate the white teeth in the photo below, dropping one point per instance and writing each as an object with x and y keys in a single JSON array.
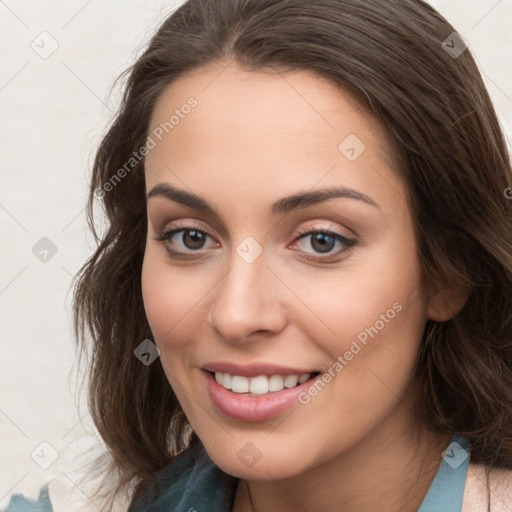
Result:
[
  {"x": 275, "y": 383},
  {"x": 260, "y": 385},
  {"x": 227, "y": 381},
  {"x": 290, "y": 381},
  {"x": 239, "y": 384},
  {"x": 304, "y": 378}
]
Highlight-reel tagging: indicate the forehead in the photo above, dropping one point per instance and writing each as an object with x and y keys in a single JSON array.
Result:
[
  {"x": 280, "y": 128},
  {"x": 301, "y": 103},
  {"x": 232, "y": 85}
]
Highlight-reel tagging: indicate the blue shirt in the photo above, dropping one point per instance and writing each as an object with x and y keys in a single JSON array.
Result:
[{"x": 192, "y": 482}]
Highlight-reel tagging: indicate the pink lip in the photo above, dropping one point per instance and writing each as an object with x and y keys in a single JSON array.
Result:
[
  {"x": 254, "y": 408},
  {"x": 254, "y": 370}
]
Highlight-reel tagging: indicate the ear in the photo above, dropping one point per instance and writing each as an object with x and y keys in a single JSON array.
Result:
[{"x": 443, "y": 304}]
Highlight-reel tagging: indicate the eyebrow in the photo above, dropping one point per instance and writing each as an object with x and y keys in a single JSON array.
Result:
[{"x": 281, "y": 206}]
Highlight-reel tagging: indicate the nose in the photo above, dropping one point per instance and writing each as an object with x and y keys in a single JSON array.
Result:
[{"x": 246, "y": 301}]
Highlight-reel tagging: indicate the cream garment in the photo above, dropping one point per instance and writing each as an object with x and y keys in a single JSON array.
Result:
[{"x": 475, "y": 491}]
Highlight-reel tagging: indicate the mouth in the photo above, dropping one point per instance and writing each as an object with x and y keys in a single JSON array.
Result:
[
  {"x": 260, "y": 385},
  {"x": 258, "y": 398}
]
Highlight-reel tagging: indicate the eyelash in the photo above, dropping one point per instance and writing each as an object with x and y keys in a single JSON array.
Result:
[{"x": 349, "y": 243}]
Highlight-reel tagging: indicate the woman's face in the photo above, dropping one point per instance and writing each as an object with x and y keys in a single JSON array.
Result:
[{"x": 295, "y": 248}]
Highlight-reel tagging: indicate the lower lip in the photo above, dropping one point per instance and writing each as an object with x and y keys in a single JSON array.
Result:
[{"x": 254, "y": 408}]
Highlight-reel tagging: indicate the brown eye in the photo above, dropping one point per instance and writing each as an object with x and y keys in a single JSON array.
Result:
[
  {"x": 323, "y": 242},
  {"x": 193, "y": 239},
  {"x": 182, "y": 242}
]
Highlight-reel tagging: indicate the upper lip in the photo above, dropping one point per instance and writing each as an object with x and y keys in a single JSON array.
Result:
[{"x": 253, "y": 370}]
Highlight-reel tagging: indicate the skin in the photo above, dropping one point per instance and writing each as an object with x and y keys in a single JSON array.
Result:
[{"x": 253, "y": 138}]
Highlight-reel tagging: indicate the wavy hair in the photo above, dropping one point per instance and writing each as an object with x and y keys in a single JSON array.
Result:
[{"x": 437, "y": 112}]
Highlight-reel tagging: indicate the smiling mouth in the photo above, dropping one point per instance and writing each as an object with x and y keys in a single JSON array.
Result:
[{"x": 260, "y": 385}]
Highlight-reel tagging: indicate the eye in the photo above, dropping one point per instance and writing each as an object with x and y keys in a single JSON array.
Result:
[
  {"x": 182, "y": 241},
  {"x": 323, "y": 242}
]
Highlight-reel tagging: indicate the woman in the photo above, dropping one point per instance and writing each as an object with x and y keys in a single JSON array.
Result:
[{"x": 302, "y": 300}]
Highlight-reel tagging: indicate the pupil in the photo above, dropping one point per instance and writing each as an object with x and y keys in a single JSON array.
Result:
[
  {"x": 322, "y": 243},
  {"x": 195, "y": 240}
]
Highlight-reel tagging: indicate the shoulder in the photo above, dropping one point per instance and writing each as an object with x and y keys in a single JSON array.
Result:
[
  {"x": 20, "y": 503},
  {"x": 477, "y": 496}
]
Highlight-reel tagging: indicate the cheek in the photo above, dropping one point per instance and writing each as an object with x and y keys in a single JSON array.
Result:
[
  {"x": 378, "y": 296},
  {"x": 171, "y": 303},
  {"x": 376, "y": 317},
  {"x": 171, "y": 300}
]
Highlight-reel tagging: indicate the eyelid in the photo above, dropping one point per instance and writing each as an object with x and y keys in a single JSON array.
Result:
[
  {"x": 184, "y": 225},
  {"x": 327, "y": 226},
  {"x": 304, "y": 230}
]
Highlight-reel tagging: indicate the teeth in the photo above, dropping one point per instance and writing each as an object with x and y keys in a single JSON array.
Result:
[
  {"x": 275, "y": 383},
  {"x": 290, "y": 381},
  {"x": 260, "y": 385},
  {"x": 227, "y": 381},
  {"x": 239, "y": 384},
  {"x": 304, "y": 378}
]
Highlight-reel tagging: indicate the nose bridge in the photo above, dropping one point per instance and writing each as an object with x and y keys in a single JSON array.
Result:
[{"x": 246, "y": 300}]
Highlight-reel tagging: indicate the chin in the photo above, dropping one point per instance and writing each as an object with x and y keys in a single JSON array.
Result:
[{"x": 250, "y": 463}]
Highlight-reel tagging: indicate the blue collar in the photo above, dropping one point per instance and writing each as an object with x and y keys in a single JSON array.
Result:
[
  {"x": 447, "y": 489},
  {"x": 193, "y": 482}
]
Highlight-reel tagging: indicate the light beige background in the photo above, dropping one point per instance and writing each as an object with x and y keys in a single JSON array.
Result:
[{"x": 52, "y": 114}]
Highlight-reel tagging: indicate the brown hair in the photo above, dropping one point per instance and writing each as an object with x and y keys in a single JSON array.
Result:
[{"x": 435, "y": 107}]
